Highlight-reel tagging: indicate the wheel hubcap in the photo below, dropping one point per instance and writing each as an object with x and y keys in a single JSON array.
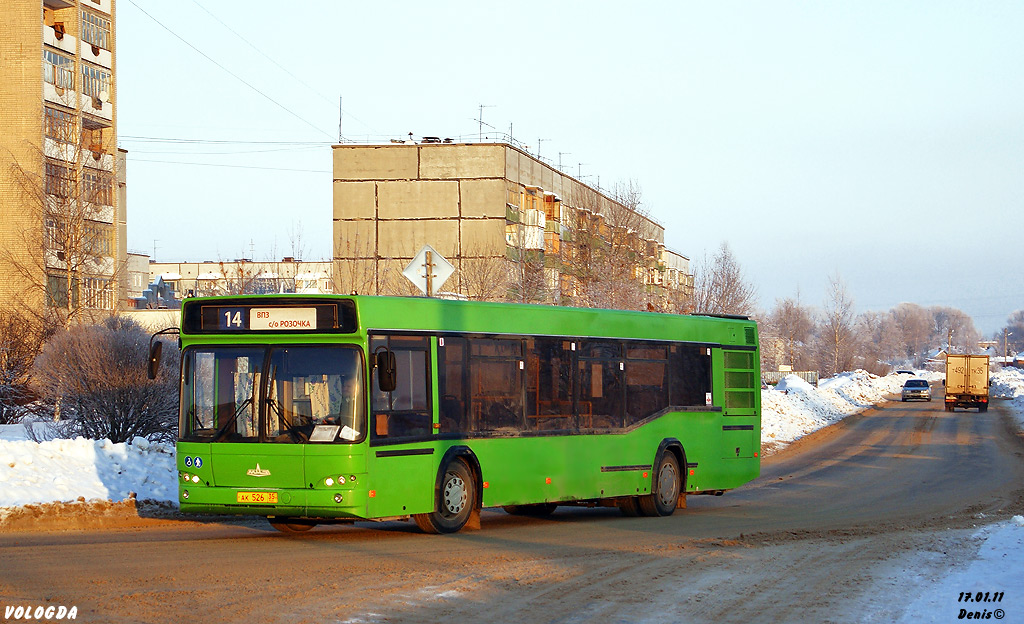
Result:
[
  {"x": 667, "y": 484},
  {"x": 455, "y": 494}
]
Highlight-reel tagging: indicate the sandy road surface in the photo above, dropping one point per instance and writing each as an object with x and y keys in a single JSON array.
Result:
[{"x": 800, "y": 543}]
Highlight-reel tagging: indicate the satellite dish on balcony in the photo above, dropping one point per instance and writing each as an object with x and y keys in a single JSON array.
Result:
[{"x": 103, "y": 96}]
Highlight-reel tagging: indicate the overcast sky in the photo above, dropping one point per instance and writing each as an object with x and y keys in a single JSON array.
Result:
[{"x": 880, "y": 141}]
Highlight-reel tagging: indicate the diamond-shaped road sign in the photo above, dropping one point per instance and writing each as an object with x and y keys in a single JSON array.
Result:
[{"x": 428, "y": 270}]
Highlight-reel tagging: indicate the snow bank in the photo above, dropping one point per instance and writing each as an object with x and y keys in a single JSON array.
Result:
[
  {"x": 794, "y": 408},
  {"x": 998, "y": 567},
  {"x": 64, "y": 470}
]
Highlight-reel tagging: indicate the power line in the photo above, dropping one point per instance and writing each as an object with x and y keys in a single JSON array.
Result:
[
  {"x": 198, "y": 164},
  {"x": 278, "y": 65},
  {"x": 234, "y": 75},
  {"x": 230, "y": 153},
  {"x": 131, "y": 138}
]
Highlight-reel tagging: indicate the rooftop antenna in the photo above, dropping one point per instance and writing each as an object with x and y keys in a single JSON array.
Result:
[
  {"x": 538, "y": 147},
  {"x": 560, "y": 154},
  {"x": 340, "y": 111},
  {"x": 480, "y": 121},
  {"x": 579, "y": 170},
  {"x": 154, "y": 248}
]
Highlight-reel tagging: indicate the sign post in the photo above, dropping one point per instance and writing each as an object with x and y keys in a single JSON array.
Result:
[{"x": 428, "y": 270}]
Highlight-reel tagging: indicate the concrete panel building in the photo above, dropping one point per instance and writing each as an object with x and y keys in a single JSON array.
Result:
[
  {"x": 514, "y": 227},
  {"x": 243, "y": 276},
  {"x": 62, "y": 235}
]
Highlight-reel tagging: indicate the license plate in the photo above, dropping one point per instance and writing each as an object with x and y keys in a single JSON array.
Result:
[{"x": 264, "y": 498}]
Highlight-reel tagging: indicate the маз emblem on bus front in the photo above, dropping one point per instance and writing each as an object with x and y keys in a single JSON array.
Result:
[{"x": 257, "y": 472}]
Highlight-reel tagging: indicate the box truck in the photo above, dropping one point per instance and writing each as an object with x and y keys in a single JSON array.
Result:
[{"x": 966, "y": 382}]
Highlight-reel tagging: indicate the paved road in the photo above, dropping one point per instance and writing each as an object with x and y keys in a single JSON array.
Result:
[{"x": 792, "y": 545}]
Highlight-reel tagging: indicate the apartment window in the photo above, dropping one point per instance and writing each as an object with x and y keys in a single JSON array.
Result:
[
  {"x": 95, "y": 30},
  {"x": 59, "y": 125},
  {"x": 55, "y": 238},
  {"x": 99, "y": 240},
  {"x": 98, "y": 293},
  {"x": 57, "y": 291},
  {"x": 98, "y": 187},
  {"x": 95, "y": 81},
  {"x": 59, "y": 179},
  {"x": 58, "y": 69}
]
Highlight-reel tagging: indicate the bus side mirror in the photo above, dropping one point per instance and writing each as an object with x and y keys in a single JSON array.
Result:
[
  {"x": 153, "y": 365},
  {"x": 387, "y": 375}
]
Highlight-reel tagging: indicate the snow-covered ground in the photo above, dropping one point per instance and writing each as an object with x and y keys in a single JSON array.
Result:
[{"x": 69, "y": 470}]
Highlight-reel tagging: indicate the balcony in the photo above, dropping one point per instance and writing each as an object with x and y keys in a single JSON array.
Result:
[
  {"x": 54, "y": 36},
  {"x": 96, "y": 55},
  {"x": 97, "y": 107},
  {"x": 103, "y": 6}
]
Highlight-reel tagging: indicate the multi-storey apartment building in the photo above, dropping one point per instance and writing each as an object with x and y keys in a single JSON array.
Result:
[
  {"x": 243, "y": 276},
  {"x": 513, "y": 227},
  {"x": 62, "y": 235}
]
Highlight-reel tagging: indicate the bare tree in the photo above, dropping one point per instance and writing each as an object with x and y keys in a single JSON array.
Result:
[
  {"x": 1013, "y": 333},
  {"x": 836, "y": 331},
  {"x": 720, "y": 287},
  {"x": 296, "y": 243},
  {"x": 484, "y": 278},
  {"x": 67, "y": 258},
  {"x": 873, "y": 334},
  {"x": 912, "y": 332},
  {"x": 955, "y": 328},
  {"x": 793, "y": 325},
  {"x": 610, "y": 255},
  {"x": 97, "y": 373},
  {"x": 21, "y": 338}
]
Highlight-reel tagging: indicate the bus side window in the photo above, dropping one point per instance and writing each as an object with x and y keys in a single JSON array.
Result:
[
  {"x": 690, "y": 376},
  {"x": 451, "y": 363},
  {"x": 406, "y": 410},
  {"x": 601, "y": 391},
  {"x": 496, "y": 370},
  {"x": 549, "y": 385},
  {"x": 646, "y": 380}
]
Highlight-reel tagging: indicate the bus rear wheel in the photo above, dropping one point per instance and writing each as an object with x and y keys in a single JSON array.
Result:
[
  {"x": 290, "y": 525},
  {"x": 665, "y": 487},
  {"x": 456, "y": 500}
]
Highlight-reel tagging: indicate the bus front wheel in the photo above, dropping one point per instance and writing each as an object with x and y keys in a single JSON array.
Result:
[
  {"x": 665, "y": 487},
  {"x": 456, "y": 499}
]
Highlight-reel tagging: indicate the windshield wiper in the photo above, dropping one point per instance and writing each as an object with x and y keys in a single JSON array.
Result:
[
  {"x": 222, "y": 432},
  {"x": 296, "y": 435}
]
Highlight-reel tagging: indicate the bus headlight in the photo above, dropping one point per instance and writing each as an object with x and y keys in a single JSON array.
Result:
[
  {"x": 184, "y": 494},
  {"x": 195, "y": 478},
  {"x": 329, "y": 481},
  {"x": 337, "y": 497}
]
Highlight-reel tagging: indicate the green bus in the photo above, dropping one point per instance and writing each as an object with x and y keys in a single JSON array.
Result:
[{"x": 325, "y": 409}]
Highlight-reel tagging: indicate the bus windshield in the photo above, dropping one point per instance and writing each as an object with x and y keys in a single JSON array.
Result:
[{"x": 288, "y": 394}]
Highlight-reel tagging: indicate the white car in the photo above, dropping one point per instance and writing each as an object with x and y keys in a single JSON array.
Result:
[{"x": 916, "y": 389}]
